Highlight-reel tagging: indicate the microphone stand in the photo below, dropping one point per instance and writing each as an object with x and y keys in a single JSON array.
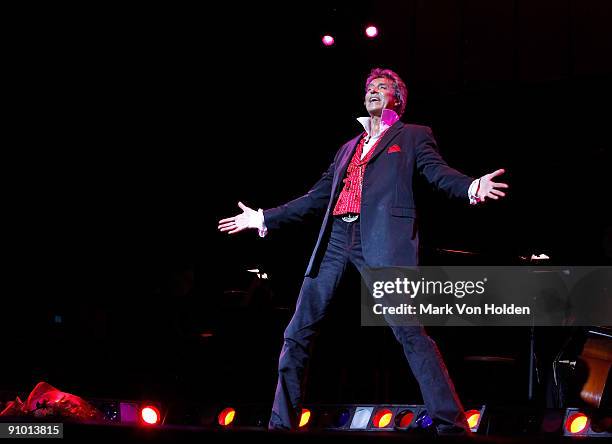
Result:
[{"x": 533, "y": 369}]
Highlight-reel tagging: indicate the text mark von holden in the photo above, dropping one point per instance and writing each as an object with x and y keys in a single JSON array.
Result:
[{"x": 452, "y": 309}]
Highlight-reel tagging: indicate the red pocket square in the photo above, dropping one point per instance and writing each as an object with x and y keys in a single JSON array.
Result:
[{"x": 394, "y": 149}]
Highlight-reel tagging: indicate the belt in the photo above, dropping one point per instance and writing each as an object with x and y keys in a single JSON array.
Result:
[{"x": 351, "y": 217}]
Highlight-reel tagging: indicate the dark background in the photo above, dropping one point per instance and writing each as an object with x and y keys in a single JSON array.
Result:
[{"x": 133, "y": 130}]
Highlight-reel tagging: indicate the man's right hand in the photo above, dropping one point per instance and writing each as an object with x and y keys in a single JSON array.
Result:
[{"x": 249, "y": 218}]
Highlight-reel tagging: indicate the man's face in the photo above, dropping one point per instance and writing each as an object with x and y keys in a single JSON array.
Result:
[{"x": 379, "y": 95}]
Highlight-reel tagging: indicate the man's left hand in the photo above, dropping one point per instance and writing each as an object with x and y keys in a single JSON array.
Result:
[{"x": 491, "y": 189}]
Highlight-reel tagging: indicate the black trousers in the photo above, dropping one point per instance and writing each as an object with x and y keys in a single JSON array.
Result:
[{"x": 423, "y": 356}]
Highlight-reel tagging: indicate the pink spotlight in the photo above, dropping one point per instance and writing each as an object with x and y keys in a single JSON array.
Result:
[
  {"x": 371, "y": 31},
  {"x": 327, "y": 40}
]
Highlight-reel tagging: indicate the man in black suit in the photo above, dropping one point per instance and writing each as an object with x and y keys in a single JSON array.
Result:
[{"x": 366, "y": 197}]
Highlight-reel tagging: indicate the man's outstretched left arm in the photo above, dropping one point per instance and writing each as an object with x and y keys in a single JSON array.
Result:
[{"x": 430, "y": 163}]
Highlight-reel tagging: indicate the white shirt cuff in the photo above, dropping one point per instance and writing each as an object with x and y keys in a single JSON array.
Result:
[
  {"x": 473, "y": 192},
  {"x": 261, "y": 224}
]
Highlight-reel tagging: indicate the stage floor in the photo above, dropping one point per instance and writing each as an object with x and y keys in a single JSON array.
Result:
[{"x": 86, "y": 433}]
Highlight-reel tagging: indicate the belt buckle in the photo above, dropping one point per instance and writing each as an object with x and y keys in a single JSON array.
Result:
[{"x": 350, "y": 218}]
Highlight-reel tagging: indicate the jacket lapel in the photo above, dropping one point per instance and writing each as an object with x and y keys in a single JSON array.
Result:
[
  {"x": 387, "y": 139},
  {"x": 345, "y": 157},
  {"x": 343, "y": 161},
  {"x": 349, "y": 149}
]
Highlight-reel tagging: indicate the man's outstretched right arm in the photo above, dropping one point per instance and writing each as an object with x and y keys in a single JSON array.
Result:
[{"x": 313, "y": 202}]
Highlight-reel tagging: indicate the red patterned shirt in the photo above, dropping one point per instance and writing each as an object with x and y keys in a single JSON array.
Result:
[{"x": 349, "y": 200}]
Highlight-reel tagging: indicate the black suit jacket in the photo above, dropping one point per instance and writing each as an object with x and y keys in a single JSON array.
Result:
[{"x": 388, "y": 215}]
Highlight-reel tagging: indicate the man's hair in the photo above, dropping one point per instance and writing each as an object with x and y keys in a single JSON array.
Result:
[{"x": 399, "y": 87}]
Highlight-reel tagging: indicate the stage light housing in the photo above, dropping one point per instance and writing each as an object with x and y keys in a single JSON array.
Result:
[
  {"x": 593, "y": 423},
  {"x": 404, "y": 419},
  {"x": 361, "y": 417},
  {"x": 149, "y": 414},
  {"x": 474, "y": 418},
  {"x": 423, "y": 420},
  {"x": 576, "y": 423},
  {"x": 304, "y": 418},
  {"x": 382, "y": 418},
  {"x": 226, "y": 417}
]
